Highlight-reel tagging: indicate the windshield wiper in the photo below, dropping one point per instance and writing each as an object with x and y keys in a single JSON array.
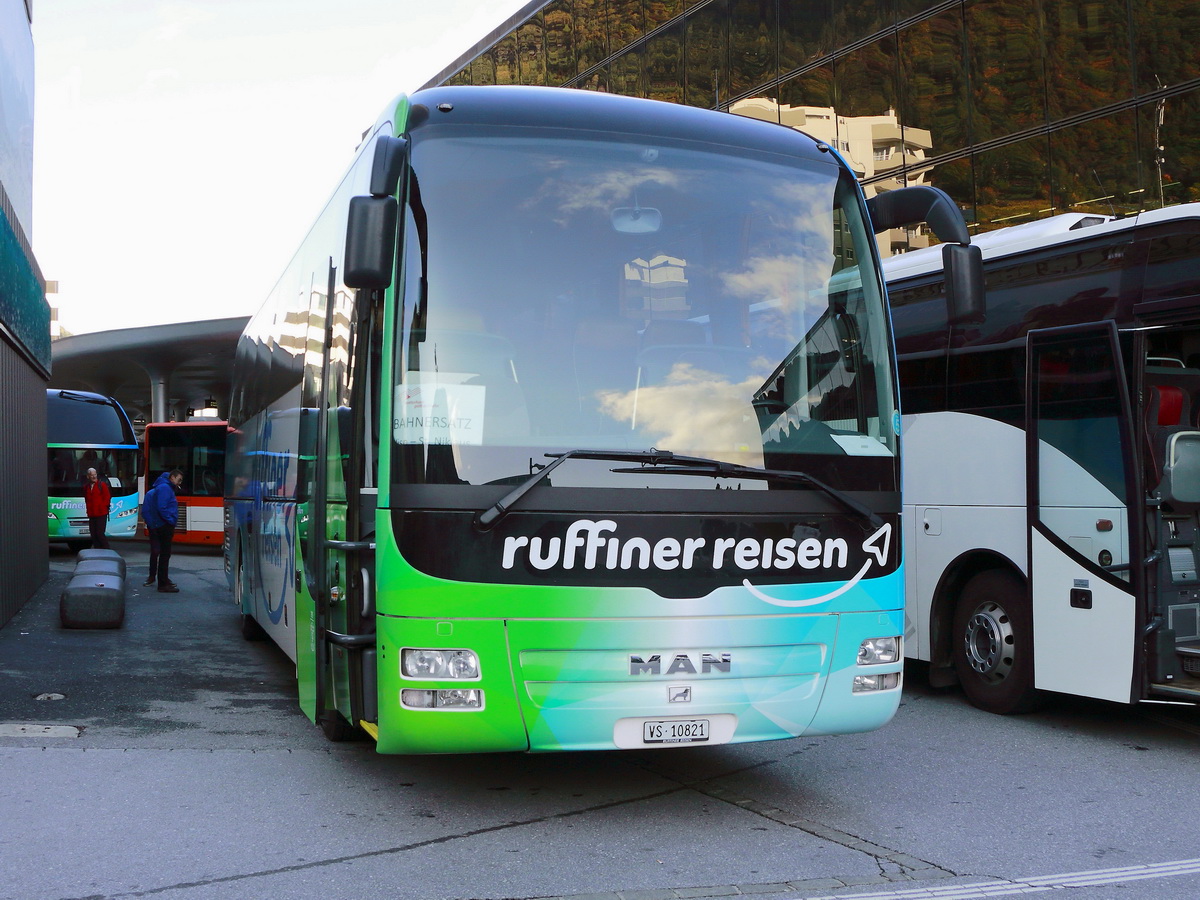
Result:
[
  {"x": 71, "y": 395},
  {"x": 678, "y": 465},
  {"x": 715, "y": 468},
  {"x": 494, "y": 513}
]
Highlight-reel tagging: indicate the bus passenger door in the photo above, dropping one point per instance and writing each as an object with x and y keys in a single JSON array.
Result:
[{"x": 1083, "y": 539}]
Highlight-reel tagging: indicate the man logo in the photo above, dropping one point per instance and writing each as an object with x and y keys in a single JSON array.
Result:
[
  {"x": 679, "y": 693},
  {"x": 681, "y": 664}
]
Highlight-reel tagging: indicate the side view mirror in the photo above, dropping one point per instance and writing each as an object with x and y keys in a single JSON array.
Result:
[
  {"x": 370, "y": 242},
  {"x": 966, "y": 301},
  {"x": 371, "y": 228},
  {"x": 911, "y": 205}
]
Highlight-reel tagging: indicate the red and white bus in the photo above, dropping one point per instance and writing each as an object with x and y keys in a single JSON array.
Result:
[{"x": 196, "y": 448}]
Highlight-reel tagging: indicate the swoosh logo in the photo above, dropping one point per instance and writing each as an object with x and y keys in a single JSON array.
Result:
[{"x": 877, "y": 546}]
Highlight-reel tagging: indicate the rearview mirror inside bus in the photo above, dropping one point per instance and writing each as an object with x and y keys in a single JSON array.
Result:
[
  {"x": 370, "y": 242},
  {"x": 636, "y": 220}
]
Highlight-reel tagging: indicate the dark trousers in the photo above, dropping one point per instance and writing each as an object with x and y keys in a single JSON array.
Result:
[
  {"x": 160, "y": 553},
  {"x": 96, "y": 525}
]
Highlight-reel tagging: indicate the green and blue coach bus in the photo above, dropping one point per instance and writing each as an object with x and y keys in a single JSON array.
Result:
[
  {"x": 572, "y": 424},
  {"x": 83, "y": 431}
]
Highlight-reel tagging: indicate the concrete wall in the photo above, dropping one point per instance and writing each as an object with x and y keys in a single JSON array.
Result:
[
  {"x": 24, "y": 329},
  {"x": 24, "y": 550}
]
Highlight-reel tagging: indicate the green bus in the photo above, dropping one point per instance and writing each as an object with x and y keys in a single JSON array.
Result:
[
  {"x": 571, "y": 425},
  {"x": 85, "y": 430}
]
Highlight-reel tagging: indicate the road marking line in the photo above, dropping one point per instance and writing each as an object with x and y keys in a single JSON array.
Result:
[{"x": 1032, "y": 885}]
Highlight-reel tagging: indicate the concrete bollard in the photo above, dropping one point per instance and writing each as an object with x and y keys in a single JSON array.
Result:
[
  {"x": 95, "y": 554},
  {"x": 100, "y": 567},
  {"x": 95, "y": 595}
]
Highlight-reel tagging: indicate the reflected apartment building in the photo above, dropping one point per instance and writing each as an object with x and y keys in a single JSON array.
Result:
[{"x": 1019, "y": 109}]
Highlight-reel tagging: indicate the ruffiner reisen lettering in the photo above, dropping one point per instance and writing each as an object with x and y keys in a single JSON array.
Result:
[{"x": 589, "y": 544}]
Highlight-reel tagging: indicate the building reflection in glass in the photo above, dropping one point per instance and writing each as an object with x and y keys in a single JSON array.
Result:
[{"x": 1019, "y": 109}]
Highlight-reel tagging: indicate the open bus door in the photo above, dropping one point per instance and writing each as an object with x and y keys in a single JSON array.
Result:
[
  {"x": 1085, "y": 542},
  {"x": 1172, "y": 468}
]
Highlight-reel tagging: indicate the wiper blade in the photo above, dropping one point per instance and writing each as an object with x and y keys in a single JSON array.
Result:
[
  {"x": 667, "y": 463},
  {"x": 715, "y": 468},
  {"x": 71, "y": 395},
  {"x": 494, "y": 513}
]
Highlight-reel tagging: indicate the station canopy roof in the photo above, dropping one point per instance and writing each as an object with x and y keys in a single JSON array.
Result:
[{"x": 195, "y": 358}]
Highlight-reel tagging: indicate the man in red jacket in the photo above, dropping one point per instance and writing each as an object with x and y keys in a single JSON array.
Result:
[{"x": 97, "y": 499}]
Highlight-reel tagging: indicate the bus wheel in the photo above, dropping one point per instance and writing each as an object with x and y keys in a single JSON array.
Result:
[
  {"x": 336, "y": 728},
  {"x": 993, "y": 644},
  {"x": 251, "y": 630}
]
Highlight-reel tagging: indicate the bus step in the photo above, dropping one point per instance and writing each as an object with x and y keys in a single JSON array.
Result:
[
  {"x": 1189, "y": 658},
  {"x": 1187, "y": 691}
]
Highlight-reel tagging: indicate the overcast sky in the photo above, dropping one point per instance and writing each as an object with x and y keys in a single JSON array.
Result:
[{"x": 183, "y": 147}]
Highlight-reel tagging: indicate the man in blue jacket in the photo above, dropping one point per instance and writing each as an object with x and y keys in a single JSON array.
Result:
[{"x": 160, "y": 509}]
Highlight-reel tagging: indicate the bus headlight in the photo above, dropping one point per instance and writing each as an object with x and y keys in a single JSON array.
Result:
[
  {"x": 453, "y": 699},
  {"x": 879, "y": 651},
  {"x": 126, "y": 512},
  {"x": 884, "y": 682},
  {"x": 462, "y": 665}
]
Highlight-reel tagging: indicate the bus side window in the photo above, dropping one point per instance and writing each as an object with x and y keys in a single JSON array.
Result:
[{"x": 208, "y": 483}]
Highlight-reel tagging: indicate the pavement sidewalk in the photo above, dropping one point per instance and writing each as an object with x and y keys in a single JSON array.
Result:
[{"x": 176, "y": 673}]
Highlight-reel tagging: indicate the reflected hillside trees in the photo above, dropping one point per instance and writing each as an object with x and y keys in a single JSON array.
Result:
[{"x": 1031, "y": 107}]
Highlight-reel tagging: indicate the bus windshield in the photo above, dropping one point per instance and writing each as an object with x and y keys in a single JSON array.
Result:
[
  {"x": 197, "y": 449},
  {"x": 86, "y": 431},
  {"x": 596, "y": 293},
  {"x": 67, "y": 469}
]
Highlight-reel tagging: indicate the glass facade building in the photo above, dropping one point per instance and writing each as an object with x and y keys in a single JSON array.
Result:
[{"x": 1019, "y": 109}]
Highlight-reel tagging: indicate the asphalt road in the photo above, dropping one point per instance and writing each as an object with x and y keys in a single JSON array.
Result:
[{"x": 168, "y": 759}]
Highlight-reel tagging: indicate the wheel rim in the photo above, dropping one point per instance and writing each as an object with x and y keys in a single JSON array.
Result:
[{"x": 989, "y": 641}]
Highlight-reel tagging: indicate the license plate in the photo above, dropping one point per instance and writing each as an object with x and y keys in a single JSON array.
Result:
[{"x": 675, "y": 731}]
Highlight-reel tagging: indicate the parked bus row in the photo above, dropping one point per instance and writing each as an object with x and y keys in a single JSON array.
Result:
[
  {"x": 87, "y": 430},
  {"x": 574, "y": 424}
]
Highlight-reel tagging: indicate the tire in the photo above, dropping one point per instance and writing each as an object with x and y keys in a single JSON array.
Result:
[
  {"x": 992, "y": 644},
  {"x": 251, "y": 630},
  {"x": 336, "y": 728}
]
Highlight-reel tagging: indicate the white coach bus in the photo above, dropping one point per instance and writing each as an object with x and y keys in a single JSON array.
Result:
[{"x": 1052, "y": 462}]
